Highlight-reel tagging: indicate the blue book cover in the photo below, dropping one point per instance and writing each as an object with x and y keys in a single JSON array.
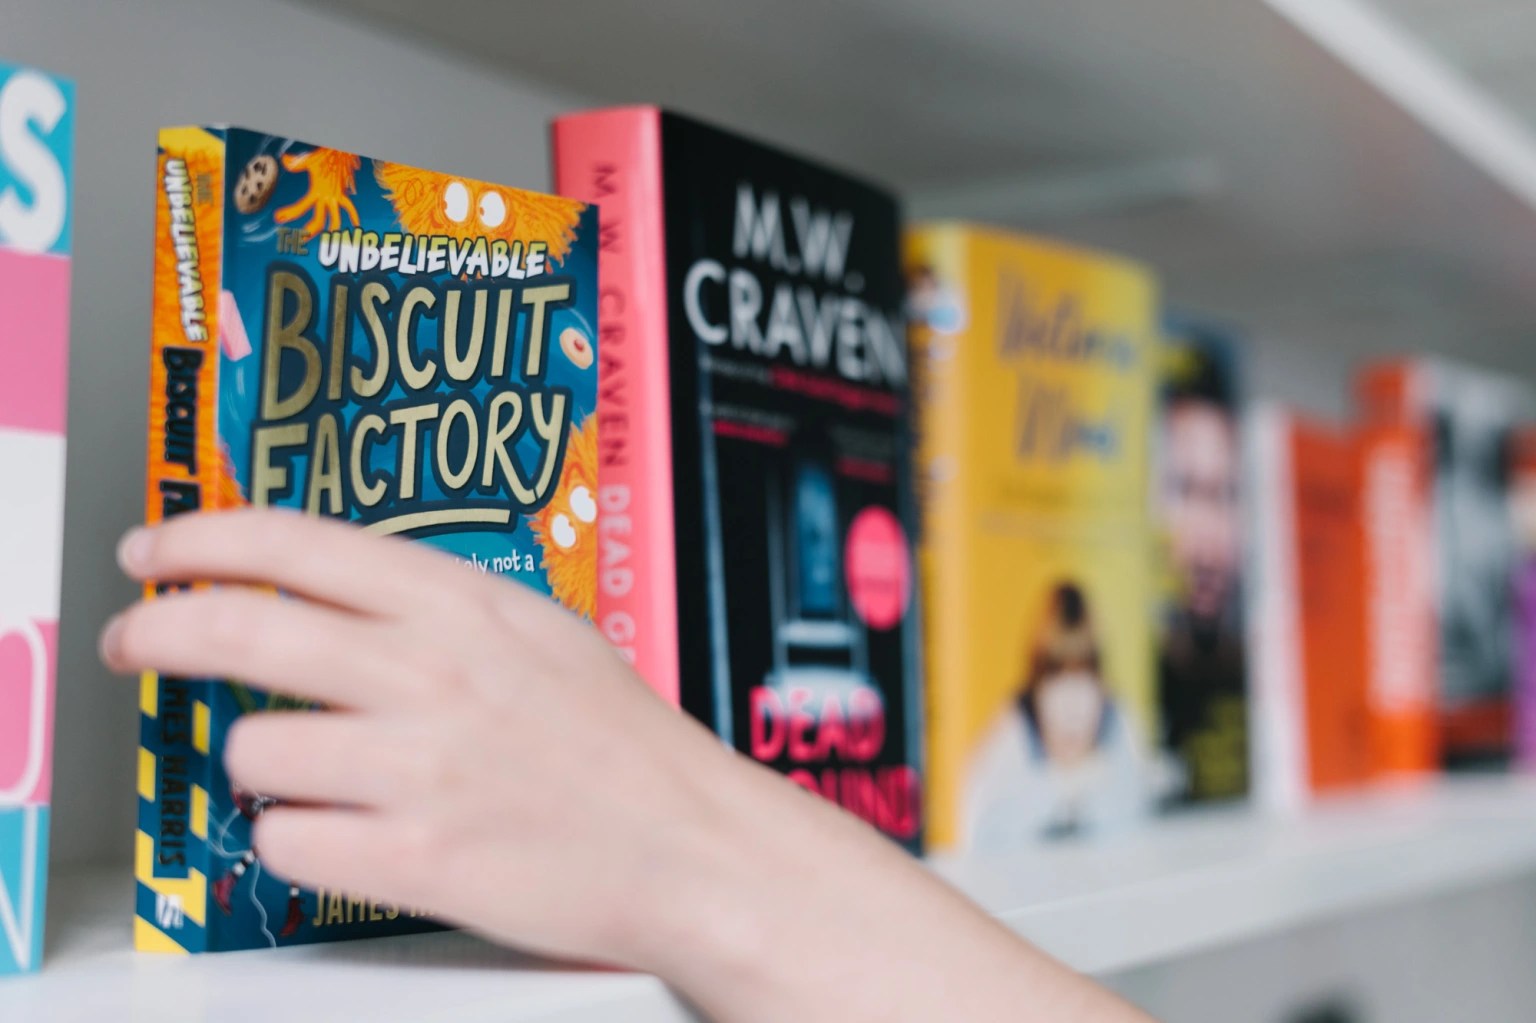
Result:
[{"x": 411, "y": 350}]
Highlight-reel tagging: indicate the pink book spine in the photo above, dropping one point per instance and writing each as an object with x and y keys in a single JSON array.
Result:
[
  {"x": 34, "y": 325},
  {"x": 613, "y": 158}
]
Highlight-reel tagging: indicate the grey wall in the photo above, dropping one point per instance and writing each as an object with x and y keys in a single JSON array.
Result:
[{"x": 139, "y": 64}]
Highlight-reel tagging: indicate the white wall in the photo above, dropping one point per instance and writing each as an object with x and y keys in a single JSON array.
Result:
[
  {"x": 286, "y": 69},
  {"x": 139, "y": 64}
]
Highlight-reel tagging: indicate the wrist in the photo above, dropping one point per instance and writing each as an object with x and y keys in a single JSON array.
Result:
[{"x": 700, "y": 911}]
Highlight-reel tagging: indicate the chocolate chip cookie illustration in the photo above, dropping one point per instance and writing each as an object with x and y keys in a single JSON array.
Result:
[{"x": 256, "y": 184}]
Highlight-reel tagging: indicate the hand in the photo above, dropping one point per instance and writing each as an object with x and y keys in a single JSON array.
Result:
[
  {"x": 487, "y": 756},
  {"x": 476, "y": 730},
  {"x": 331, "y": 176}
]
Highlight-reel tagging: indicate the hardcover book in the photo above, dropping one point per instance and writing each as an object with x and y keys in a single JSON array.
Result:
[
  {"x": 1037, "y": 367},
  {"x": 1463, "y": 420},
  {"x": 37, "y": 114},
  {"x": 1198, "y": 504},
  {"x": 410, "y": 350},
  {"x": 754, "y": 506}
]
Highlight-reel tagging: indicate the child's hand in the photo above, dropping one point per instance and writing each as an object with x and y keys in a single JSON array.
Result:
[{"x": 487, "y": 756}]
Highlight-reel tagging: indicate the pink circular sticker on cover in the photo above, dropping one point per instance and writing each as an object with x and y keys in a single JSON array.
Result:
[{"x": 878, "y": 566}]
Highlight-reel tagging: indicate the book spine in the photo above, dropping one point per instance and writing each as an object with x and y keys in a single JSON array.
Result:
[
  {"x": 1400, "y": 634},
  {"x": 1325, "y": 466},
  {"x": 612, "y": 159},
  {"x": 1277, "y": 701},
  {"x": 937, "y": 401},
  {"x": 185, "y": 475}
]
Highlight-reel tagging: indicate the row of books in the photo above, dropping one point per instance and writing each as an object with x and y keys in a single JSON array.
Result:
[{"x": 949, "y": 525}]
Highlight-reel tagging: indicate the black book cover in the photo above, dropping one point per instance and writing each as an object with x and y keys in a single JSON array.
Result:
[{"x": 797, "y": 606}]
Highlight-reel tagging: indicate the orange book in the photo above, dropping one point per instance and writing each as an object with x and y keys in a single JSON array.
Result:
[
  {"x": 1310, "y": 700},
  {"x": 1397, "y": 568},
  {"x": 1459, "y": 422}
]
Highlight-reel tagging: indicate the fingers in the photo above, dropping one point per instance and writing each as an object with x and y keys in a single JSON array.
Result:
[
  {"x": 354, "y": 851},
  {"x": 351, "y": 208},
  {"x": 268, "y": 642},
  {"x": 292, "y": 211},
  {"x": 321, "y": 559},
  {"x": 323, "y": 758}
]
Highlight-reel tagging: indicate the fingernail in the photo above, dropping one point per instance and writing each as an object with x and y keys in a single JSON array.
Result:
[
  {"x": 111, "y": 640},
  {"x": 133, "y": 550}
]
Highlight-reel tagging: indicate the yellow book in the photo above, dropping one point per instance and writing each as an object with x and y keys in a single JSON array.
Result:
[{"x": 1036, "y": 364}]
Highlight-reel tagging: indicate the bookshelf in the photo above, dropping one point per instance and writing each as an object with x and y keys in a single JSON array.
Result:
[
  {"x": 1254, "y": 152},
  {"x": 1183, "y": 887}
]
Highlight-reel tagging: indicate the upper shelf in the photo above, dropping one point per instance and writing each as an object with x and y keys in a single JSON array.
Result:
[
  {"x": 1307, "y": 167},
  {"x": 1184, "y": 886}
]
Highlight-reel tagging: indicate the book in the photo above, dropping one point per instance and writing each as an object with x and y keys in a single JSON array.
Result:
[
  {"x": 755, "y": 507},
  {"x": 1310, "y": 700},
  {"x": 36, "y": 171},
  {"x": 411, "y": 350},
  {"x": 1522, "y": 498},
  {"x": 1463, "y": 419},
  {"x": 1037, "y": 368},
  {"x": 1401, "y": 644},
  {"x": 1198, "y": 504}
]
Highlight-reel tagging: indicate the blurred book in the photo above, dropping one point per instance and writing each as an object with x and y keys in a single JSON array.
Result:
[
  {"x": 1310, "y": 708},
  {"x": 1522, "y": 494},
  {"x": 1036, "y": 376},
  {"x": 1463, "y": 419},
  {"x": 1343, "y": 631},
  {"x": 36, "y": 168},
  {"x": 1397, "y": 567},
  {"x": 1198, "y": 508},
  {"x": 755, "y": 500}
]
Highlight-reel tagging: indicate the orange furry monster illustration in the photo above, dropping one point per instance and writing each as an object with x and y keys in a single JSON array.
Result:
[
  {"x": 566, "y": 527},
  {"x": 431, "y": 203}
]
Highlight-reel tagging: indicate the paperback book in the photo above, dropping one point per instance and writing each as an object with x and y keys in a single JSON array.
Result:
[
  {"x": 36, "y": 170},
  {"x": 1036, "y": 384},
  {"x": 1522, "y": 490},
  {"x": 1310, "y": 698},
  {"x": 754, "y": 502},
  {"x": 410, "y": 350},
  {"x": 1198, "y": 505},
  {"x": 1463, "y": 420}
]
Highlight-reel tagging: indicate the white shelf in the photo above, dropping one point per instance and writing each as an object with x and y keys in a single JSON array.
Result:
[{"x": 1181, "y": 887}]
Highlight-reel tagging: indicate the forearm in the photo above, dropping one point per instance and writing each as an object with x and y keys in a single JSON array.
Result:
[{"x": 792, "y": 910}]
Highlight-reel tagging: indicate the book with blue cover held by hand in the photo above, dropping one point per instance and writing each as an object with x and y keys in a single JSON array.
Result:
[{"x": 410, "y": 350}]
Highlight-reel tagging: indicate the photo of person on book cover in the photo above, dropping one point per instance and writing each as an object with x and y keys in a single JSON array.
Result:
[
  {"x": 1475, "y": 537},
  {"x": 1201, "y": 662},
  {"x": 1060, "y": 760}
]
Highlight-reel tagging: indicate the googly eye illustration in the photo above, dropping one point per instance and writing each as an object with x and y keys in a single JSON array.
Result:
[
  {"x": 563, "y": 532},
  {"x": 456, "y": 201},
  {"x": 582, "y": 505},
  {"x": 493, "y": 209}
]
